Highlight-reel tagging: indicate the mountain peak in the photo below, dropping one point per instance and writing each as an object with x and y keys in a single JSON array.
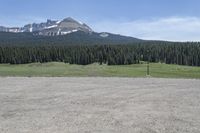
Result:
[{"x": 69, "y": 19}]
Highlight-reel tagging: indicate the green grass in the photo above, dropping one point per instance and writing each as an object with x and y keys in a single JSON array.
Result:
[{"x": 55, "y": 69}]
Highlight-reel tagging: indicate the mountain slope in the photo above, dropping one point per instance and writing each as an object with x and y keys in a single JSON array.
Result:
[{"x": 76, "y": 38}]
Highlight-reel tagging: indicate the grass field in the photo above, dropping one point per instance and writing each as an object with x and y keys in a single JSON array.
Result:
[{"x": 55, "y": 69}]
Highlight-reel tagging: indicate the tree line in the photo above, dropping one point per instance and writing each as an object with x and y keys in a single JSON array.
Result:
[{"x": 164, "y": 52}]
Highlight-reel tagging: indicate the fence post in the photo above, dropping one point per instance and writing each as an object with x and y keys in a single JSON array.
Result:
[{"x": 148, "y": 70}]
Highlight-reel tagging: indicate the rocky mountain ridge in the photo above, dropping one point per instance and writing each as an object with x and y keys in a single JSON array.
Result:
[{"x": 51, "y": 27}]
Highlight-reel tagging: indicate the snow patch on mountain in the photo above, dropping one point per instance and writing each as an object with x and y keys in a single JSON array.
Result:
[
  {"x": 68, "y": 32},
  {"x": 31, "y": 29},
  {"x": 58, "y": 22},
  {"x": 80, "y": 22},
  {"x": 53, "y": 26},
  {"x": 104, "y": 34}
]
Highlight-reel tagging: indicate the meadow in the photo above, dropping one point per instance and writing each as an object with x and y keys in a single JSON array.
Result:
[{"x": 56, "y": 69}]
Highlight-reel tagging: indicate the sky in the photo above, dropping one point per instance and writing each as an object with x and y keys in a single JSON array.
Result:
[{"x": 173, "y": 20}]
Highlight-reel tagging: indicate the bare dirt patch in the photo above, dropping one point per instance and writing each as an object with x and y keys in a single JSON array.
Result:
[{"x": 107, "y": 105}]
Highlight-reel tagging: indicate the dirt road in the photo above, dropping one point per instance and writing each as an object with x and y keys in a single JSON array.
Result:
[{"x": 99, "y": 105}]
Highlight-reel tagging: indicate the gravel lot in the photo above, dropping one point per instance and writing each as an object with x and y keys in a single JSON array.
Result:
[{"x": 99, "y": 105}]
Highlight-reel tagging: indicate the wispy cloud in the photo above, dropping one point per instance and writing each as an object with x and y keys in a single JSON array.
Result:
[{"x": 170, "y": 28}]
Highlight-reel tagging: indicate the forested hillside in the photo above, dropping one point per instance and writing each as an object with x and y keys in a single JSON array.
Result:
[
  {"x": 154, "y": 51},
  {"x": 76, "y": 38}
]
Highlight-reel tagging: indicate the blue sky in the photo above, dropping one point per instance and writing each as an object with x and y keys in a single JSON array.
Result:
[{"x": 176, "y": 20}]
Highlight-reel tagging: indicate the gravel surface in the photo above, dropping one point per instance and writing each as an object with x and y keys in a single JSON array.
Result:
[{"x": 99, "y": 105}]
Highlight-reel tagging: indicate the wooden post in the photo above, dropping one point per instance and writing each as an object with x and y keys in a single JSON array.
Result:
[{"x": 148, "y": 70}]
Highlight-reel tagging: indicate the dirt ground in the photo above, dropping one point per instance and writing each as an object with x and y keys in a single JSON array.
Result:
[{"x": 99, "y": 105}]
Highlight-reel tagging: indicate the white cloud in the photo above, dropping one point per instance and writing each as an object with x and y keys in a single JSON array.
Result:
[{"x": 171, "y": 28}]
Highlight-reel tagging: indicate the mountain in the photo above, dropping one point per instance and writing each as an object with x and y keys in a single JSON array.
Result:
[
  {"x": 51, "y": 28},
  {"x": 66, "y": 32}
]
